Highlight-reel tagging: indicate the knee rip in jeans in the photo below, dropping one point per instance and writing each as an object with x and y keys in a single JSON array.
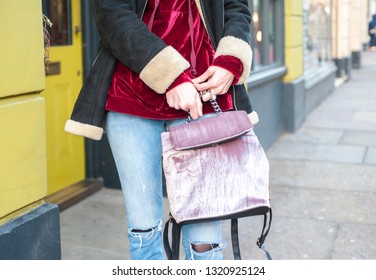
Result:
[
  {"x": 205, "y": 248},
  {"x": 145, "y": 235}
]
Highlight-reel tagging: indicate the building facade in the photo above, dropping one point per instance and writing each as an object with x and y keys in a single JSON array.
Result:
[
  {"x": 29, "y": 226},
  {"x": 303, "y": 49}
]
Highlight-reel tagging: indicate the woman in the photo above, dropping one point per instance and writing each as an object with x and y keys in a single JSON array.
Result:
[
  {"x": 372, "y": 33},
  {"x": 155, "y": 59}
]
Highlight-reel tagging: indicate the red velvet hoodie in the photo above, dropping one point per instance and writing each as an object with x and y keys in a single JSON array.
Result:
[{"x": 179, "y": 24}]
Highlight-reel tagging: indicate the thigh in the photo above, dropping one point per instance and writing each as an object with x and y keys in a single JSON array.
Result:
[{"x": 136, "y": 147}]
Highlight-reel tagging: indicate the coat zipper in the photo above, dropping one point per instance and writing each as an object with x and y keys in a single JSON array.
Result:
[
  {"x": 143, "y": 10},
  {"x": 101, "y": 46}
]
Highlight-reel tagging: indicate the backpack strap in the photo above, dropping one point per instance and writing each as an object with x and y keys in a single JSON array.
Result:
[
  {"x": 172, "y": 251},
  {"x": 261, "y": 239},
  {"x": 235, "y": 239},
  {"x": 166, "y": 243}
]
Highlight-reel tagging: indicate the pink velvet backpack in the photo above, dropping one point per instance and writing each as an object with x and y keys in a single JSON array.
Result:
[{"x": 215, "y": 169}]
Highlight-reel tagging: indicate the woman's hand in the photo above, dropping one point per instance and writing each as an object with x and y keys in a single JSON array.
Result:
[
  {"x": 185, "y": 97},
  {"x": 215, "y": 80}
]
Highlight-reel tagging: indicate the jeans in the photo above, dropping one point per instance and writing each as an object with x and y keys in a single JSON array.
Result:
[{"x": 137, "y": 149}]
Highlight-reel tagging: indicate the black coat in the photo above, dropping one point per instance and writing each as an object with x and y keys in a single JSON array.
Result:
[{"x": 125, "y": 38}]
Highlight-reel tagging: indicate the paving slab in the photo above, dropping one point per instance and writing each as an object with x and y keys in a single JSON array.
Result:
[
  {"x": 314, "y": 135},
  {"x": 361, "y": 138},
  {"x": 95, "y": 228},
  {"x": 298, "y": 238},
  {"x": 371, "y": 157},
  {"x": 317, "y": 152},
  {"x": 355, "y": 242},
  {"x": 322, "y": 204},
  {"x": 323, "y": 175}
]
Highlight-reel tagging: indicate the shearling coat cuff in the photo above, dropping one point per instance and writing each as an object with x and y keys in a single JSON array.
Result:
[
  {"x": 253, "y": 116},
  {"x": 163, "y": 69},
  {"x": 238, "y": 48},
  {"x": 82, "y": 129}
]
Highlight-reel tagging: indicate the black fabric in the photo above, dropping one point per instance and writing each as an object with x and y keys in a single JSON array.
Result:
[
  {"x": 166, "y": 242},
  {"x": 90, "y": 104},
  {"x": 264, "y": 233},
  {"x": 235, "y": 239},
  {"x": 172, "y": 250}
]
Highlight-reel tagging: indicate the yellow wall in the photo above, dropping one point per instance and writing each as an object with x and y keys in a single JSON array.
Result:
[
  {"x": 293, "y": 39},
  {"x": 23, "y": 175},
  {"x": 21, "y": 47}
]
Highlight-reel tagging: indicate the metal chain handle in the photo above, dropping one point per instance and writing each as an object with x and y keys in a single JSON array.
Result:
[{"x": 213, "y": 102}]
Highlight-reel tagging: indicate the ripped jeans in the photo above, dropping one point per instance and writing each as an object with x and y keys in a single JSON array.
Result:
[{"x": 137, "y": 149}]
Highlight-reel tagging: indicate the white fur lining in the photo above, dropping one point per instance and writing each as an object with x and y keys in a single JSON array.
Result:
[
  {"x": 163, "y": 69},
  {"x": 86, "y": 130},
  {"x": 238, "y": 48},
  {"x": 253, "y": 116}
]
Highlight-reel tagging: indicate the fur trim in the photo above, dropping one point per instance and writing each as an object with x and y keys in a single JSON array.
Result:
[
  {"x": 253, "y": 116},
  {"x": 163, "y": 69},
  {"x": 238, "y": 48},
  {"x": 86, "y": 130}
]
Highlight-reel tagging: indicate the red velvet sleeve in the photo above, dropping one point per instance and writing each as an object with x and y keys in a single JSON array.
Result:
[
  {"x": 230, "y": 63},
  {"x": 184, "y": 77}
]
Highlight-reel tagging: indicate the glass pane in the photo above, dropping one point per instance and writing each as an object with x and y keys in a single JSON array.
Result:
[
  {"x": 257, "y": 32},
  {"x": 58, "y": 11},
  {"x": 317, "y": 33}
]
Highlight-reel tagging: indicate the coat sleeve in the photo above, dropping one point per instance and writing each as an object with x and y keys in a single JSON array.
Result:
[
  {"x": 236, "y": 39},
  {"x": 130, "y": 41}
]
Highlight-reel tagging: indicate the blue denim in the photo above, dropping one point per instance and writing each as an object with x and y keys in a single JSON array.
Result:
[{"x": 137, "y": 149}]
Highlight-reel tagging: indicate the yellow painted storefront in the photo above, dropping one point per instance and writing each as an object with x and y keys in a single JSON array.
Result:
[
  {"x": 293, "y": 39},
  {"x": 37, "y": 158},
  {"x": 23, "y": 165}
]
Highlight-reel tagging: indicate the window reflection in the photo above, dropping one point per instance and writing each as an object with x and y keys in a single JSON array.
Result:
[
  {"x": 257, "y": 33},
  {"x": 271, "y": 33},
  {"x": 317, "y": 33},
  {"x": 58, "y": 11},
  {"x": 263, "y": 32}
]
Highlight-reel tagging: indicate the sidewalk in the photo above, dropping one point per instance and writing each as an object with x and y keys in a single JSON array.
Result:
[{"x": 322, "y": 187}]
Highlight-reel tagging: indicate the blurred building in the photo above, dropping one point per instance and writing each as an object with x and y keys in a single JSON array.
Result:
[{"x": 303, "y": 49}]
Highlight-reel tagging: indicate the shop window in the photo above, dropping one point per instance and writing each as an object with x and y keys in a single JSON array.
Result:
[
  {"x": 264, "y": 25},
  {"x": 317, "y": 33},
  {"x": 58, "y": 11}
]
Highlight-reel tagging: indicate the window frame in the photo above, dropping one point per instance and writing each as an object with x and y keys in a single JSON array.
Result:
[
  {"x": 278, "y": 28},
  {"x": 46, "y": 12}
]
